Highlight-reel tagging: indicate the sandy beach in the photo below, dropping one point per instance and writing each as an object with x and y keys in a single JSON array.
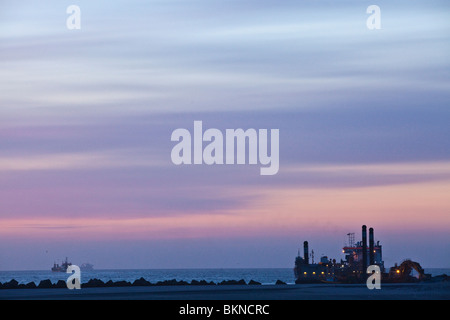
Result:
[{"x": 422, "y": 291}]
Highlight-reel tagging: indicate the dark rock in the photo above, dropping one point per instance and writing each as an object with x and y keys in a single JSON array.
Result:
[
  {"x": 122, "y": 284},
  {"x": 13, "y": 284},
  {"x": 94, "y": 283},
  {"x": 202, "y": 283},
  {"x": 30, "y": 285},
  {"x": 60, "y": 284},
  {"x": 233, "y": 282},
  {"x": 141, "y": 282},
  {"x": 172, "y": 282},
  {"x": 110, "y": 283},
  {"x": 45, "y": 284},
  {"x": 252, "y": 282},
  {"x": 439, "y": 278},
  {"x": 280, "y": 282}
]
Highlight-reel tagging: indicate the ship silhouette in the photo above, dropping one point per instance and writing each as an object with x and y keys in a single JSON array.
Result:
[{"x": 61, "y": 268}]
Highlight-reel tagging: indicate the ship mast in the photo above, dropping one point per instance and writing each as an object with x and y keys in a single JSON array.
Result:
[{"x": 351, "y": 239}]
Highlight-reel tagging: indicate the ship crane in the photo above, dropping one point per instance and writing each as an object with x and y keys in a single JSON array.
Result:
[{"x": 351, "y": 239}]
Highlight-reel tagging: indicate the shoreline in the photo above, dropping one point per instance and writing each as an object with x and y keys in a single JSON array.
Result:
[
  {"x": 404, "y": 291},
  {"x": 141, "y": 282}
]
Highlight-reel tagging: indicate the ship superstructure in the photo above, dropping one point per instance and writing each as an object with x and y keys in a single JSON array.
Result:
[
  {"x": 61, "y": 268},
  {"x": 359, "y": 255},
  {"x": 353, "y": 268},
  {"x": 306, "y": 272}
]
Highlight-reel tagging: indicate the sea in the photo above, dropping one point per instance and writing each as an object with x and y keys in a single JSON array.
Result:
[{"x": 264, "y": 276}]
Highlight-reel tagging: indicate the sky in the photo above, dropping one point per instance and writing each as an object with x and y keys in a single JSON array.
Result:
[{"x": 86, "y": 118}]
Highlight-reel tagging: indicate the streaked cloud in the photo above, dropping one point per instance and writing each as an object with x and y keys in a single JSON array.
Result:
[
  {"x": 177, "y": 57},
  {"x": 424, "y": 170},
  {"x": 86, "y": 118},
  {"x": 79, "y": 161},
  {"x": 387, "y": 207}
]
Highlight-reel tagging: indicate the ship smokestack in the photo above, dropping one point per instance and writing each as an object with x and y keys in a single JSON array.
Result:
[
  {"x": 305, "y": 252},
  {"x": 371, "y": 247},
  {"x": 364, "y": 249}
]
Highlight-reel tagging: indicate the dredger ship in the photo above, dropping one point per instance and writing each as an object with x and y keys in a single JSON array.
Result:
[{"x": 353, "y": 269}]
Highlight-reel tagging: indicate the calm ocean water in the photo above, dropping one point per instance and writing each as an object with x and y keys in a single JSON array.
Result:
[{"x": 265, "y": 276}]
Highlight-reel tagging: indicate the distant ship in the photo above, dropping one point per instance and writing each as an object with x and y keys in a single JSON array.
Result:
[
  {"x": 87, "y": 267},
  {"x": 61, "y": 268}
]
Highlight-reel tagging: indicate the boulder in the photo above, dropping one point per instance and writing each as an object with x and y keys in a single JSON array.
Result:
[
  {"x": 122, "y": 283},
  {"x": 233, "y": 282},
  {"x": 202, "y": 283},
  {"x": 172, "y": 282},
  {"x": 13, "y": 284},
  {"x": 110, "y": 283},
  {"x": 45, "y": 284},
  {"x": 60, "y": 284},
  {"x": 141, "y": 282},
  {"x": 94, "y": 283},
  {"x": 195, "y": 283}
]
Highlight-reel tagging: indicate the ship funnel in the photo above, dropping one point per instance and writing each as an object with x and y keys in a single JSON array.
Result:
[
  {"x": 305, "y": 252},
  {"x": 364, "y": 249},
  {"x": 371, "y": 247}
]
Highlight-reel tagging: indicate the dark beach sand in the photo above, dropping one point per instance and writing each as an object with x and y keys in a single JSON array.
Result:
[{"x": 422, "y": 291}]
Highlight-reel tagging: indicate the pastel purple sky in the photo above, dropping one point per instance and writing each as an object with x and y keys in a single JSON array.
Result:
[{"x": 86, "y": 118}]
